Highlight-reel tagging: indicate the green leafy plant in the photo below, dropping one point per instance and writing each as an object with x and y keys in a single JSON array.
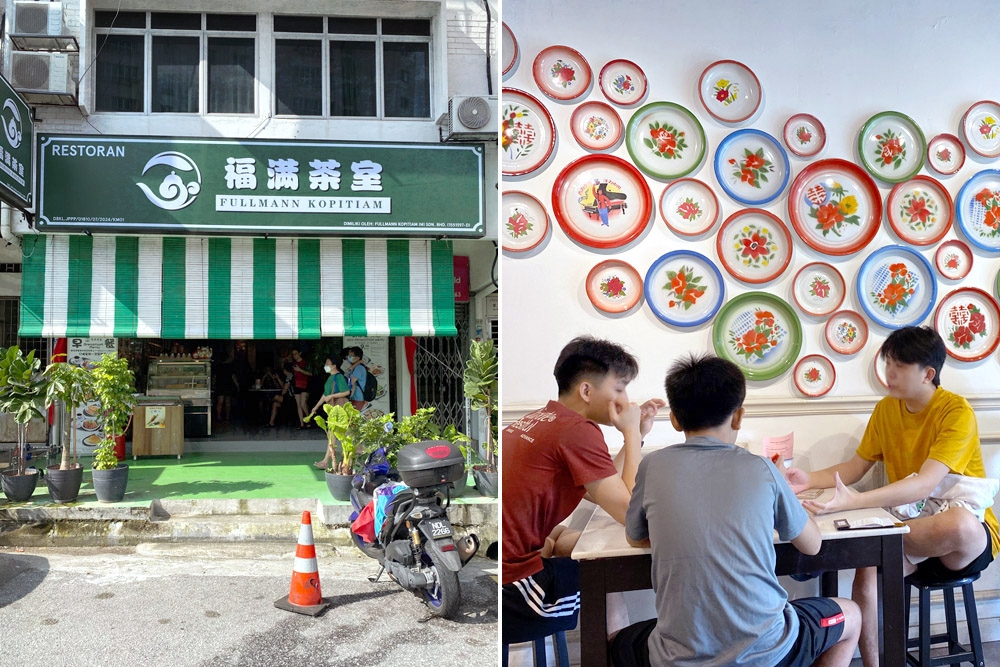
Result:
[
  {"x": 381, "y": 431},
  {"x": 114, "y": 388},
  {"x": 22, "y": 393},
  {"x": 341, "y": 424},
  {"x": 480, "y": 385},
  {"x": 71, "y": 386}
]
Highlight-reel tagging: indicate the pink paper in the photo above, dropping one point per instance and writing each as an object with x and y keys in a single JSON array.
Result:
[{"x": 780, "y": 445}]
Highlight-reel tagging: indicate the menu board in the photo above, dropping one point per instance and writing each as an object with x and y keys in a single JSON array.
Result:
[
  {"x": 376, "y": 358},
  {"x": 86, "y": 352}
]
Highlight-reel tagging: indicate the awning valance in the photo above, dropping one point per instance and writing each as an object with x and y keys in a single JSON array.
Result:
[{"x": 196, "y": 287}]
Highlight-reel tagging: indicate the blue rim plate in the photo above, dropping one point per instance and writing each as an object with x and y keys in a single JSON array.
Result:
[
  {"x": 977, "y": 208},
  {"x": 752, "y": 167},
  {"x": 896, "y": 287},
  {"x": 684, "y": 288},
  {"x": 760, "y": 333}
]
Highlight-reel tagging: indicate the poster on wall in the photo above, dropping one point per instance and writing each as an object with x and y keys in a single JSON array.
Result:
[
  {"x": 376, "y": 358},
  {"x": 85, "y": 353}
]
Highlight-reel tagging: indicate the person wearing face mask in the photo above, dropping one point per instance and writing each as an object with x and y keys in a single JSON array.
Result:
[
  {"x": 335, "y": 392},
  {"x": 358, "y": 376}
]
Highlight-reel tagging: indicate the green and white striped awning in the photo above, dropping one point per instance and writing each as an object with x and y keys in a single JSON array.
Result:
[{"x": 195, "y": 287}]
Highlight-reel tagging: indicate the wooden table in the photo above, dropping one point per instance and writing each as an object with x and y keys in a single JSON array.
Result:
[{"x": 609, "y": 565}]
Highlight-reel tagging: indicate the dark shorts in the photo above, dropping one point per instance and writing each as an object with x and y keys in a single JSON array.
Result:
[
  {"x": 933, "y": 568},
  {"x": 542, "y": 604},
  {"x": 630, "y": 647}
]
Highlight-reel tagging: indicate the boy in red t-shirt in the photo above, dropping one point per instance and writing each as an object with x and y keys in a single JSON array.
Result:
[{"x": 551, "y": 459}]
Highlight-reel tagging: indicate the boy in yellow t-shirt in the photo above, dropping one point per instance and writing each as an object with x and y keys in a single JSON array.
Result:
[{"x": 922, "y": 433}]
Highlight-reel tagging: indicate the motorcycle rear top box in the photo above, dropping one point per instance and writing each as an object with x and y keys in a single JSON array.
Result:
[{"x": 429, "y": 463}]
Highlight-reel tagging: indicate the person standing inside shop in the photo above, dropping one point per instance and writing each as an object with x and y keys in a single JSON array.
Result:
[
  {"x": 358, "y": 376},
  {"x": 300, "y": 382},
  {"x": 335, "y": 392}
]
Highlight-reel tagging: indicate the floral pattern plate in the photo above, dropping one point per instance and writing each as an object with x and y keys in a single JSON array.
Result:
[
  {"x": 892, "y": 146},
  {"x": 689, "y": 207},
  {"x": 561, "y": 73},
  {"x": 760, "y": 333},
  {"x": 752, "y": 167},
  {"x": 945, "y": 154},
  {"x": 920, "y": 210},
  {"x": 835, "y": 207},
  {"x": 684, "y": 288},
  {"x": 525, "y": 222},
  {"x": 879, "y": 366},
  {"x": 754, "y": 245},
  {"x": 846, "y": 332},
  {"x": 527, "y": 134},
  {"x": 814, "y": 375},
  {"x": 730, "y": 91},
  {"x": 978, "y": 209},
  {"x": 623, "y": 82},
  {"x": 896, "y": 287},
  {"x": 614, "y": 286},
  {"x": 968, "y": 319},
  {"x": 953, "y": 260},
  {"x": 818, "y": 289},
  {"x": 981, "y": 127},
  {"x": 804, "y": 135},
  {"x": 508, "y": 48},
  {"x": 596, "y": 126},
  {"x": 601, "y": 201},
  {"x": 665, "y": 140}
]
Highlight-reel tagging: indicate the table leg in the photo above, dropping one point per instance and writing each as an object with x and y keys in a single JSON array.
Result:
[
  {"x": 829, "y": 584},
  {"x": 892, "y": 643},
  {"x": 593, "y": 614}
]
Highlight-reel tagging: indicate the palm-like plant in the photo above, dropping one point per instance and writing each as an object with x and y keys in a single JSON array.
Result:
[
  {"x": 341, "y": 424},
  {"x": 71, "y": 386},
  {"x": 22, "y": 393},
  {"x": 480, "y": 378}
]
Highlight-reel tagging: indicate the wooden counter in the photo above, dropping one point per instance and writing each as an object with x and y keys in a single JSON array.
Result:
[{"x": 158, "y": 430}]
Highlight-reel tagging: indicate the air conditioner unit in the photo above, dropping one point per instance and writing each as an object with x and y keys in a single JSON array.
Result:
[
  {"x": 472, "y": 118},
  {"x": 39, "y": 71},
  {"x": 38, "y": 18}
]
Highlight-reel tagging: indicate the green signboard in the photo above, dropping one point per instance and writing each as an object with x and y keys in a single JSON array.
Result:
[
  {"x": 233, "y": 187},
  {"x": 15, "y": 148}
]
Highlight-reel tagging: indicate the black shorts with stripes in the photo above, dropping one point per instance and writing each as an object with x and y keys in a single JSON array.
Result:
[{"x": 542, "y": 604}]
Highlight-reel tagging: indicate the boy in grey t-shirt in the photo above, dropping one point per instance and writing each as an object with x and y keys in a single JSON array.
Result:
[{"x": 708, "y": 509}]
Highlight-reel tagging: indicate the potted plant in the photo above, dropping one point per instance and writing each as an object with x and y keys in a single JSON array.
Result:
[
  {"x": 421, "y": 426},
  {"x": 480, "y": 385},
  {"x": 22, "y": 394},
  {"x": 341, "y": 425},
  {"x": 114, "y": 389},
  {"x": 71, "y": 386}
]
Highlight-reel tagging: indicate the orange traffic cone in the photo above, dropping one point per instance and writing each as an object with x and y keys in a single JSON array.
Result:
[{"x": 305, "y": 596}]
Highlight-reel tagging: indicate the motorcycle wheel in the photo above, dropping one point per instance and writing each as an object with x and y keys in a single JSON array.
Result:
[
  {"x": 446, "y": 597},
  {"x": 367, "y": 549}
]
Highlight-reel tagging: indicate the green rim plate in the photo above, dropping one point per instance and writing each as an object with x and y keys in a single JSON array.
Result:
[
  {"x": 743, "y": 334},
  {"x": 665, "y": 140},
  {"x": 892, "y": 146}
]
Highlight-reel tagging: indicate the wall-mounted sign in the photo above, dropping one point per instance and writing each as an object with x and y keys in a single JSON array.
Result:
[
  {"x": 16, "y": 131},
  {"x": 461, "y": 264},
  {"x": 232, "y": 187}
]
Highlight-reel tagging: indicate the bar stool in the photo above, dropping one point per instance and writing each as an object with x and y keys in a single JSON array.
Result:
[
  {"x": 538, "y": 648},
  {"x": 957, "y": 653}
]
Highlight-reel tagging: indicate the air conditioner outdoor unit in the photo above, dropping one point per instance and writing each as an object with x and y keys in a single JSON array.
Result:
[
  {"x": 472, "y": 118},
  {"x": 39, "y": 71},
  {"x": 38, "y": 18}
]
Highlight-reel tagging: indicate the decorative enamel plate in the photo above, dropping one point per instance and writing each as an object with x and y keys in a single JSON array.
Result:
[
  {"x": 818, "y": 289},
  {"x": 879, "y": 366},
  {"x": 846, "y": 332},
  {"x": 945, "y": 154},
  {"x": 953, "y": 260},
  {"x": 730, "y": 91},
  {"x": 892, "y": 146},
  {"x": 665, "y": 140},
  {"x": 981, "y": 127},
  {"x": 595, "y": 126},
  {"x": 689, "y": 207},
  {"x": 920, "y": 210},
  {"x": 561, "y": 73},
  {"x": 525, "y": 221},
  {"x": 684, "y": 288},
  {"x": 835, "y": 207},
  {"x": 896, "y": 287},
  {"x": 527, "y": 133},
  {"x": 968, "y": 319},
  {"x": 623, "y": 82},
  {"x": 614, "y": 286},
  {"x": 814, "y": 375},
  {"x": 754, "y": 245},
  {"x": 760, "y": 333},
  {"x": 751, "y": 166},
  {"x": 601, "y": 201},
  {"x": 978, "y": 209},
  {"x": 508, "y": 47},
  {"x": 804, "y": 135}
]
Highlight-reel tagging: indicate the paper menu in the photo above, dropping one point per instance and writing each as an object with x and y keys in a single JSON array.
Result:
[{"x": 780, "y": 445}]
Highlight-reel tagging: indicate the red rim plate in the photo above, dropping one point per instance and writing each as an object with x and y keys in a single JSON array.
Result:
[
  {"x": 764, "y": 251},
  {"x": 596, "y": 126},
  {"x": 908, "y": 210},
  {"x": 814, "y": 388},
  {"x": 945, "y": 163},
  {"x": 561, "y": 72},
  {"x": 742, "y": 102},
  {"x": 813, "y": 129},
  {"x": 690, "y": 202},
  {"x": 519, "y": 151},
  {"x": 821, "y": 176},
  {"x": 524, "y": 222},
  {"x": 807, "y": 301},
  {"x": 614, "y": 286},
  {"x": 879, "y": 366},
  {"x": 953, "y": 267},
  {"x": 576, "y": 204},
  {"x": 968, "y": 335},
  {"x": 508, "y": 35},
  {"x": 838, "y": 341},
  {"x": 623, "y": 82}
]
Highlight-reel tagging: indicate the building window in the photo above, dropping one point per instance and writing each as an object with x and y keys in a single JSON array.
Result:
[
  {"x": 355, "y": 67},
  {"x": 10, "y": 318},
  {"x": 153, "y": 61}
]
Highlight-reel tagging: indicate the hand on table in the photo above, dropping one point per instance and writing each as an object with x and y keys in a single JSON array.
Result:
[
  {"x": 647, "y": 412},
  {"x": 797, "y": 479},
  {"x": 844, "y": 498}
]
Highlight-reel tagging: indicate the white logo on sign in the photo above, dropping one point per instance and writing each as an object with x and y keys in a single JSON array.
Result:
[
  {"x": 174, "y": 193},
  {"x": 11, "y": 123}
]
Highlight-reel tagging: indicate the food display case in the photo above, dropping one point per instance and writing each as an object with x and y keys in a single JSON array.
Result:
[{"x": 191, "y": 381}]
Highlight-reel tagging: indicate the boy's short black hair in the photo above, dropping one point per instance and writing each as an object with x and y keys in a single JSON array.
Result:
[
  {"x": 916, "y": 345},
  {"x": 704, "y": 391},
  {"x": 586, "y": 357}
]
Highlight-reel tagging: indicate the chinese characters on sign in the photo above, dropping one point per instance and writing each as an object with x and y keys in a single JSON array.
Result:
[{"x": 283, "y": 174}]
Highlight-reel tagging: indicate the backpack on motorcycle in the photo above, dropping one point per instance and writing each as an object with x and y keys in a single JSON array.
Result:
[{"x": 371, "y": 385}]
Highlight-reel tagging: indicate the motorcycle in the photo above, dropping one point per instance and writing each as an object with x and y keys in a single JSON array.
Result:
[{"x": 415, "y": 542}]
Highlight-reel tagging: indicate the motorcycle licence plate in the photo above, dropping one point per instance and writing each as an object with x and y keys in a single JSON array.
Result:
[{"x": 440, "y": 529}]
